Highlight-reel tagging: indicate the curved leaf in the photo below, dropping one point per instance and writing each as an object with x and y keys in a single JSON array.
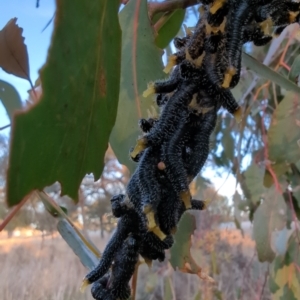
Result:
[
  {"x": 169, "y": 25},
  {"x": 141, "y": 63},
  {"x": 87, "y": 258},
  {"x": 268, "y": 217},
  {"x": 10, "y": 98},
  {"x": 181, "y": 256},
  {"x": 284, "y": 134},
  {"x": 268, "y": 73},
  {"x": 65, "y": 135},
  {"x": 254, "y": 181},
  {"x": 180, "y": 252}
]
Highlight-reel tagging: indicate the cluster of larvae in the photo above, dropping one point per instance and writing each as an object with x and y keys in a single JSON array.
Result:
[{"x": 174, "y": 147}]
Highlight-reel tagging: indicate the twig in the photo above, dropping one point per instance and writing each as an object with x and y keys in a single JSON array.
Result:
[
  {"x": 134, "y": 281},
  {"x": 243, "y": 274},
  {"x": 293, "y": 213},
  {"x": 156, "y": 7},
  {"x": 49, "y": 22},
  {"x": 4, "y": 127},
  {"x": 13, "y": 212},
  {"x": 264, "y": 284}
]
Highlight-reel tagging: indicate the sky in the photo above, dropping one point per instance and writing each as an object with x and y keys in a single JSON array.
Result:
[{"x": 33, "y": 21}]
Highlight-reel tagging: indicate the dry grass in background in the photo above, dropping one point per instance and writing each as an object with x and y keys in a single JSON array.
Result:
[{"x": 36, "y": 268}]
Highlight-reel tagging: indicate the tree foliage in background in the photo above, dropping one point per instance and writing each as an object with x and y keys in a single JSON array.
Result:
[{"x": 64, "y": 135}]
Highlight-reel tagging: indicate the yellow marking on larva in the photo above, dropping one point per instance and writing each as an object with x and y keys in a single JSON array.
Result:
[
  {"x": 154, "y": 112},
  {"x": 187, "y": 55},
  {"x": 198, "y": 61},
  {"x": 185, "y": 196},
  {"x": 210, "y": 29},
  {"x": 205, "y": 110},
  {"x": 188, "y": 31},
  {"x": 151, "y": 224},
  {"x": 266, "y": 26},
  {"x": 238, "y": 114},
  {"x": 193, "y": 104},
  {"x": 206, "y": 203},
  {"x": 216, "y": 6},
  {"x": 148, "y": 262},
  {"x": 201, "y": 10},
  {"x": 150, "y": 90},
  {"x": 159, "y": 233},
  {"x": 228, "y": 77},
  {"x": 292, "y": 16},
  {"x": 84, "y": 285},
  {"x": 199, "y": 110},
  {"x": 172, "y": 61},
  {"x": 139, "y": 147}
]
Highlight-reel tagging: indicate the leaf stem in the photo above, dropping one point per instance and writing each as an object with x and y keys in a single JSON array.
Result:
[{"x": 4, "y": 127}]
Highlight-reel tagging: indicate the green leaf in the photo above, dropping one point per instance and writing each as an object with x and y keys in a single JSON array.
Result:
[
  {"x": 10, "y": 98},
  {"x": 66, "y": 134},
  {"x": 198, "y": 296},
  {"x": 181, "y": 248},
  {"x": 218, "y": 294},
  {"x": 268, "y": 73},
  {"x": 64, "y": 209},
  {"x": 295, "y": 70},
  {"x": 169, "y": 24},
  {"x": 254, "y": 181},
  {"x": 285, "y": 277},
  {"x": 284, "y": 134},
  {"x": 268, "y": 217},
  {"x": 181, "y": 256},
  {"x": 87, "y": 258},
  {"x": 141, "y": 63}
]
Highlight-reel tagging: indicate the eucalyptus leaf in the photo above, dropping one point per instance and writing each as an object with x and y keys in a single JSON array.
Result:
[{"x": 268, "y": 73}]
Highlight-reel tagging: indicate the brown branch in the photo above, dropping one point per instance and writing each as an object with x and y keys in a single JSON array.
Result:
[
  {"x": 13, "y": 212},
  {"x": 156, "y": 7},
  {"x": 134, "y": 281}
]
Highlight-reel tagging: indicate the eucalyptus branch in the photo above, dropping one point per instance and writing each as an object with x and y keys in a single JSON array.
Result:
[{"x": 156, "y": 7}]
